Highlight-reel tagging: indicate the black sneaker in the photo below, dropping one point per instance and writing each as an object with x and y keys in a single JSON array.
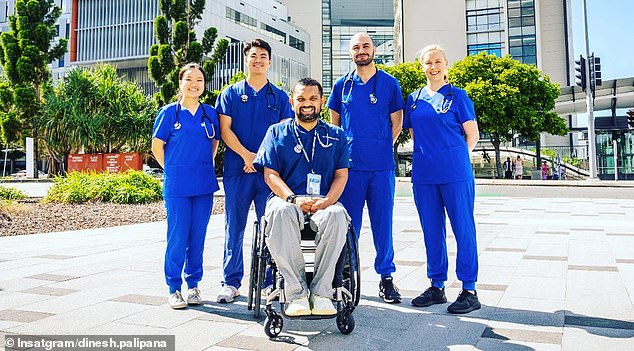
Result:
[
  {"x": 431, "y": 296},
  {"x": 388, "y": 291},
  {"x": 465, "y": 303}
]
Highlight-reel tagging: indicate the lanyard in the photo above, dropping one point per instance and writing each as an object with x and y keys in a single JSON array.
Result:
[{"x": 301, "y": 145}]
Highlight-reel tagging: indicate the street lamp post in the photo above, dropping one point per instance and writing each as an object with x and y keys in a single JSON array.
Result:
[{"x": 592, "y": 153}]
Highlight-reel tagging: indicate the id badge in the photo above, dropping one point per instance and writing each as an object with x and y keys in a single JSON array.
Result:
[{"x": 313, "y": 183}]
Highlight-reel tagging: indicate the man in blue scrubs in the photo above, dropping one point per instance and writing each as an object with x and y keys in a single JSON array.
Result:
[
  {"x": 246, "y": 109},
  {"x": 367, "y": 103},
  {"x": 305, "y": 163}
]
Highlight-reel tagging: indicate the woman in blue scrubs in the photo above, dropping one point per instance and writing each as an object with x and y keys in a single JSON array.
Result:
[
  {"x": 442, "y": 122},
  {"x": 185, "y": 138}
]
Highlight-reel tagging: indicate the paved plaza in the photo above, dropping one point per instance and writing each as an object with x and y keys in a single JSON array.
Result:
[{"x": 556, "y": 273}]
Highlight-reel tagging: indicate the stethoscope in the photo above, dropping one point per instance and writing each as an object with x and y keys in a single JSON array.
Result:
[
  {"x": 269, "y": 91},
  {"x": 299, "y": 146},
  {"x": 444, "y": 106},
  {"x": 345, "y": 98},
  {"x": 178, "y": 125}
]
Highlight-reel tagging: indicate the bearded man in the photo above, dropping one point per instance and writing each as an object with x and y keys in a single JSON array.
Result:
[{"x": 305, "y": 162}]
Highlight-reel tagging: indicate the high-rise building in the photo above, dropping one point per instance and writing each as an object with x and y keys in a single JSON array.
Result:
[
  {"x": 532, "y": 31},
  {"x": 121, "y": 32},
  {"x": 63, "y": 27}
]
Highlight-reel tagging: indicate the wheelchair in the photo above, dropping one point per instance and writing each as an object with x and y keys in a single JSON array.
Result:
[{"x": 346, "y": 282}]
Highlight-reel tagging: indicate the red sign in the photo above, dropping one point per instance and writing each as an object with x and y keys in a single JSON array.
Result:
[
  {"x": 112, "y": 163},
  {"x": 85, "y": 162}
]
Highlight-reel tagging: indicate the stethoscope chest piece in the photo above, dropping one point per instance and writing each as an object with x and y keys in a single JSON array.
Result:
[
  {"x": 297, "y": 148},
  {"x": 177, "y": 125},
  {"x": 373, "y": 99},
  {"x": 244, "y": 97}
]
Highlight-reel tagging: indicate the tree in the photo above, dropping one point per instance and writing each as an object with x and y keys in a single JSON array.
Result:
[
  {"x": 509, "y": 97},
  {"x": 96, "y": 111},
  {"x": 410, "y": 77},
  {"x": 27, "y": 49},
  {"x": 177, "y": 45}
]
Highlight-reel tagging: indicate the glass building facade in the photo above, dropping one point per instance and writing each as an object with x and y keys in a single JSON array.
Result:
[
  {"x": 502, "y": 27},
  {"x": 341, "y": 19}
]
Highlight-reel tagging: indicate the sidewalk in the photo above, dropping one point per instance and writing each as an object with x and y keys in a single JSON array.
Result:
[{"x": 555, "y": 274}]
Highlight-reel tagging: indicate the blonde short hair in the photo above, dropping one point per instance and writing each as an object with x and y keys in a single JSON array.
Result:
[{"x": 432, "y": 47}]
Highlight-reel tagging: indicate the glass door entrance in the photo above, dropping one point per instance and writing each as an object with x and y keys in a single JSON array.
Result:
[{"x": 624, "y": 152}]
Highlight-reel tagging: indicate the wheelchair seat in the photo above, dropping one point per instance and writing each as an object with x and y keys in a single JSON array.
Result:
[{"x": 345, "y": 284}]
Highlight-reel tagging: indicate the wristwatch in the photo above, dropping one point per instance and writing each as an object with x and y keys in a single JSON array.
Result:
[{"x": 291, "y": 198}]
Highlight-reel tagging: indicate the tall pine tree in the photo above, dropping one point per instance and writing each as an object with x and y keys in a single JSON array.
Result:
[
  {"x": 26, "y": 50},
  {"x": 177, "y": 45}
]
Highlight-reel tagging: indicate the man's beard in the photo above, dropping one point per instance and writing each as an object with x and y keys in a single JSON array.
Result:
[
  {"x": 364, "y": 62},
  {"x": 309, "y": 117}
]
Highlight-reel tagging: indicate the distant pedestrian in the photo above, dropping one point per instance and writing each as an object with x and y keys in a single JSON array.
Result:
[
  {"x": 519, "y": 167},
  {"x": 184, "y": 142},
  {"x": 545, "y": 170},
  {"x": 508, "y": 168}
]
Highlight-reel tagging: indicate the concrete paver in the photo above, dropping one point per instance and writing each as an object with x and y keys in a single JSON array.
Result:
[{"x": 555, "y": 274}]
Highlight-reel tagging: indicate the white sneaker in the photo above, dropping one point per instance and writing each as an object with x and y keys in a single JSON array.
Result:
[
  {"x": 298, "y": 307},
  {"x": 176, "y": 301},
  {"x": 193, "y": 297},
  {"x": 227, "y": 293},
  {"x": 322, "y": 306}
]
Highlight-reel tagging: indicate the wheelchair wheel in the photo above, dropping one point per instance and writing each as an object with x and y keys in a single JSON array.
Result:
[
  {"x": 254, "y": 266},
  {"x": 261, "y": 272},
  {"x": 352, "y": 275},
  {"x": 273, "y": 324},
  {"x": 345, "y": 321}
]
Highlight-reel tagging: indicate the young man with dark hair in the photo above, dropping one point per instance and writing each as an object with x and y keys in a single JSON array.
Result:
[{"x": 247, "y": 109}]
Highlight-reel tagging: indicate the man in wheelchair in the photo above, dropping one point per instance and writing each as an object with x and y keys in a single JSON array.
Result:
[{"x": 305, "y": 162}]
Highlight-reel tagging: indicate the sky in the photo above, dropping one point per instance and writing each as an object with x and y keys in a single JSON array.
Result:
[{"x": 610, "y": 35}]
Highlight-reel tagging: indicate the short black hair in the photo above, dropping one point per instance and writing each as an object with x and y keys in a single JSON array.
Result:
[
  {"x": 309, "y": 82},
  {"x": 258, "y": 43}
]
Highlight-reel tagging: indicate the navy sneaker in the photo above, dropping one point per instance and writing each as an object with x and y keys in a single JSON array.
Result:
[
  {"x": 431, "y": 296},
  {"x": 388, "y": 291},
  {"x": 465, "y": 303}
]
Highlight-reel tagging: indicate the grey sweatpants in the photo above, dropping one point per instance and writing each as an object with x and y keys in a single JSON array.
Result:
[{"x": 284, "y": 221}]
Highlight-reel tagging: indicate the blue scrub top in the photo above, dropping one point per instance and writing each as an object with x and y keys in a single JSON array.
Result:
[
  {"x": 189, "y": 162},
  {"x": 368, "y": 126},
  {"x": 441, "y": 154},
  {"x": 251, "y": 119},
  {"x": 278, "y": 153}
]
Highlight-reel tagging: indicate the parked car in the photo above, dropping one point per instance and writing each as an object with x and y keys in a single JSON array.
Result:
[
  {"x": 155, "y": 172},
  {"x": 22, "y": 174}
]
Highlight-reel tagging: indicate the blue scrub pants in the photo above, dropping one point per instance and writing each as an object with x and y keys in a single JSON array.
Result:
[
  {"x": 240, "y": 191},
  {"x": 458, "y": 199},
  {"x": 187, "y": 219},
  {"x": 377, "y": 188}
]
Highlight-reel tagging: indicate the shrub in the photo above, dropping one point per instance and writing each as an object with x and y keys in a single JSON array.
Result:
[
  {"x": 7, "y": 193},
  {"x": 132, "y": 187}
]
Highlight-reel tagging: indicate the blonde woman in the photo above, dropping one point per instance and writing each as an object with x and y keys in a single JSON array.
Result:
[{"x": 441, "y": 119}]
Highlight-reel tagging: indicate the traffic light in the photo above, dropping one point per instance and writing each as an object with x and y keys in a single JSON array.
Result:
[
  {"x": 595, "y": 72},
  {"x": 580, "y": 72}
]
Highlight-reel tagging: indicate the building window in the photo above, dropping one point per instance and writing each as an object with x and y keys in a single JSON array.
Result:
[
  {"x": 522, "y": 39},
  {"x": 297, "y": 43},
  {"x": 491, "y": 48},
  {"x": 241, "y": 19},
  {"x": 67, "y": 30},
  {"x": 273, "y": 32},
  {"x": 61, "y": 61},
  {"x": 483, "y": 20}
]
